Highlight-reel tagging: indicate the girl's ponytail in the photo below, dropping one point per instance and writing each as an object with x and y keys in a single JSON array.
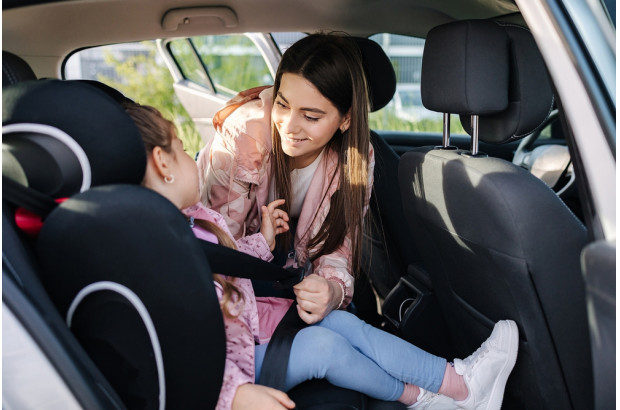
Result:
[{"x": 231, "y": 296}]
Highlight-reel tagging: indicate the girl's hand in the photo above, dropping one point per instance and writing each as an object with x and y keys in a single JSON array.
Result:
[
  {"x": 274, "y": 222},
  {"x": 255, "y": 396},
  {"x": 316, "y": 297}
]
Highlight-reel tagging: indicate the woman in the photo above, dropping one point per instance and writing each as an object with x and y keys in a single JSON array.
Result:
[
  {"x": 305, "y": 140},
  {"x": 341, "y": 348}
]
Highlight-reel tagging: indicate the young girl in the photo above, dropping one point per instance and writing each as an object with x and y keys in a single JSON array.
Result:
[{"x": 341, "y": 348}]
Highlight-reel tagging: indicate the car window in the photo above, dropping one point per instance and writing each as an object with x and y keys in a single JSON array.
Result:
[
  {"x": 405, "y": 112},
  {"x": 137, "y": 71},
  {"x": 188, "y": 61},
  {"x": 284, "y": 40},
  {"x": 226, "y": 64}
]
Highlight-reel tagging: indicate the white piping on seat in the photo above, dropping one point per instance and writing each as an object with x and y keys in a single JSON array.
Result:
[
  {"x": 144, "y": 315},
  {"x": 61, "y": 136}
]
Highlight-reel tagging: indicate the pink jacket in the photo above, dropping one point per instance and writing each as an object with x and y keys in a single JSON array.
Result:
[
  {"x": 256, "y": 318},
  {"x": 235, "y": 172}
]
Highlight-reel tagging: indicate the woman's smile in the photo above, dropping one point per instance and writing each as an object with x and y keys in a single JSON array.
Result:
[{"x": 304, "y": 118}]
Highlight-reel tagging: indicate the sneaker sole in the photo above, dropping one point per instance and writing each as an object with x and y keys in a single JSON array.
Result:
[{"x": 497, "y": 393}]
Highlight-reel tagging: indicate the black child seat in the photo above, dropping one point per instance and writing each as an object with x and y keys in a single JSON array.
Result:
[
  {"x": 42, "y": 162},
  {"x": 138, "y": 294},
  {"x": 118, "y": 262},
  {"x": 477, "y": 219}
]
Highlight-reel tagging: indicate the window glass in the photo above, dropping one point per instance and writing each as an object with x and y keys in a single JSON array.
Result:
[
  {"x": 137, "y": 71},
  {"x": 233, "y": 62},
  {"x": 188, "y": 62},
  {"x": 405, "y": 112},
  {"x": 285, "y": 40}
]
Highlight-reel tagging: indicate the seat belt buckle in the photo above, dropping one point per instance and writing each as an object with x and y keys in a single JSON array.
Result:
[{"x": 297, "y": 275}]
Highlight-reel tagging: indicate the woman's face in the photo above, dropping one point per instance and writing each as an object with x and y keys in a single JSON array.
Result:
[
  {"x": 186, "y": 175},
  {"x": 305, "y": 119}
]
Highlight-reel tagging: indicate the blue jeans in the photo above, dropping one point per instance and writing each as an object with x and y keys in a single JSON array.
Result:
[{"x": 352, "y": 354}]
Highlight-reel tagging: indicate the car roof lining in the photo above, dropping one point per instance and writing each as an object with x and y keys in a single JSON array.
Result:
[{"x": 88, "y": 22}]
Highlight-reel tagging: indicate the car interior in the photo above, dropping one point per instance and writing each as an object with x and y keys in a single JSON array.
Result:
[{"x": 463, "y": 230}]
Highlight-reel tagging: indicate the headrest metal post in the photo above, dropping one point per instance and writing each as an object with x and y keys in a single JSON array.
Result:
[
  {"x": 445, "y": 143},
  {"x": 446, "y": 129},
  {"x": 474, "y": 135}
]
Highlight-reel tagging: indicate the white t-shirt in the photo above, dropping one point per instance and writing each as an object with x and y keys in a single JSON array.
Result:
[{"x": 300, "y": 182}]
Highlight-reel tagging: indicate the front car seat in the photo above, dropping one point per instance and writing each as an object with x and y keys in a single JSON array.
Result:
[{"x": 497, "y": 242}]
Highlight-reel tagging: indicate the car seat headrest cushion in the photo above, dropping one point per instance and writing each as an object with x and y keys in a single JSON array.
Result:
[
  {"x": 465, "y": 68},
  {"x": 530, "y": 93},
  {"x": 15, "y": 69},
  {"x": 379, "y": 73},
  {"x": 91, "y": 117}
]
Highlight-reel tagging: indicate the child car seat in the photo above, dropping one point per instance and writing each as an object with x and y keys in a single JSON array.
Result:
[{"x": 85, "y": 139}]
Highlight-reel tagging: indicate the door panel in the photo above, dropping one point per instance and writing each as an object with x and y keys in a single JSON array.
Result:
[
  {"x": 599, "y": 264},
  {"x": 201, "y": 106}
]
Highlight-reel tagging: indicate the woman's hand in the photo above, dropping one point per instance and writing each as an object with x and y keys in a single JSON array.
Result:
[
  {"x": 274, "y": 222},
  {"x": 255, "y": 396},
  {"x": 316, "y": 297}
]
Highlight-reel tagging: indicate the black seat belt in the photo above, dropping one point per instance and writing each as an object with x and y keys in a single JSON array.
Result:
[
  {"x": 275, "y": 363},
  {"x": 227, "y": 261},
  {"x": 27, "y": 198}
]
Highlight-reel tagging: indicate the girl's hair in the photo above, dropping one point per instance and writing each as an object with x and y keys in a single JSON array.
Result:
[
  {"x": 157, "y": 131},
  {"x": 231, "y": 293},
  {"x": 333, "y": 64}
]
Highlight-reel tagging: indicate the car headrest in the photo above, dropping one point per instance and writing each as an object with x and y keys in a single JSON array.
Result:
[
  {"x": 530, "y": 95},
  {"x": 15, "y": 69},
  {"x": 379, "y": 73},
  {"x": 112, "y": 92},
  {"x": 465, "y": 68},
  {"x": 489, "y": 69},
  {"x": 62, "y": 137},
  {"x": 121, "y": 263}
]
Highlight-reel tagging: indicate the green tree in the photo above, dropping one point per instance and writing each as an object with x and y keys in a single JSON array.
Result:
[{"x": 145, "y": 80}]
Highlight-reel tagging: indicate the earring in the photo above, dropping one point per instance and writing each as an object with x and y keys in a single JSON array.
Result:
[{"x": 169, "y": 179}]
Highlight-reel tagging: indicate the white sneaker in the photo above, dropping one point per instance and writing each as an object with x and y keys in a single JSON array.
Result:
[
  {"x": 486, "y": 371},
  {"x": 433, "y": 401}
]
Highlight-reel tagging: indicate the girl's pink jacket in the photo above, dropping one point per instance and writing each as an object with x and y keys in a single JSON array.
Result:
[
  {"x": 256, "y": 318},
  {"x": 235, "y": 173}
]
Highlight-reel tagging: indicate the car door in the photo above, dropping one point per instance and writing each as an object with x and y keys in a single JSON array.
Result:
[
  {"x": 208, "y": 70},
  {"x": 583, "y": 69}
]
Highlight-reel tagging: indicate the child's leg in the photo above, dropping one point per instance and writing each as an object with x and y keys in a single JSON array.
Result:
[
  {"x": 318, "y": 352},
  {"x": 397, "y": 357}
]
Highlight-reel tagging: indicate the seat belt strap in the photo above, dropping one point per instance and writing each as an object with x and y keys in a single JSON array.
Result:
[
  {"x": 27, "y": 198},
  {"x": 231, "y": 262},
  {"x": 275, "y": 363}
]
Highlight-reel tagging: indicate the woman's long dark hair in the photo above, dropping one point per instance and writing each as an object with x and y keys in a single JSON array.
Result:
[{"x": 333, "y": 64}]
